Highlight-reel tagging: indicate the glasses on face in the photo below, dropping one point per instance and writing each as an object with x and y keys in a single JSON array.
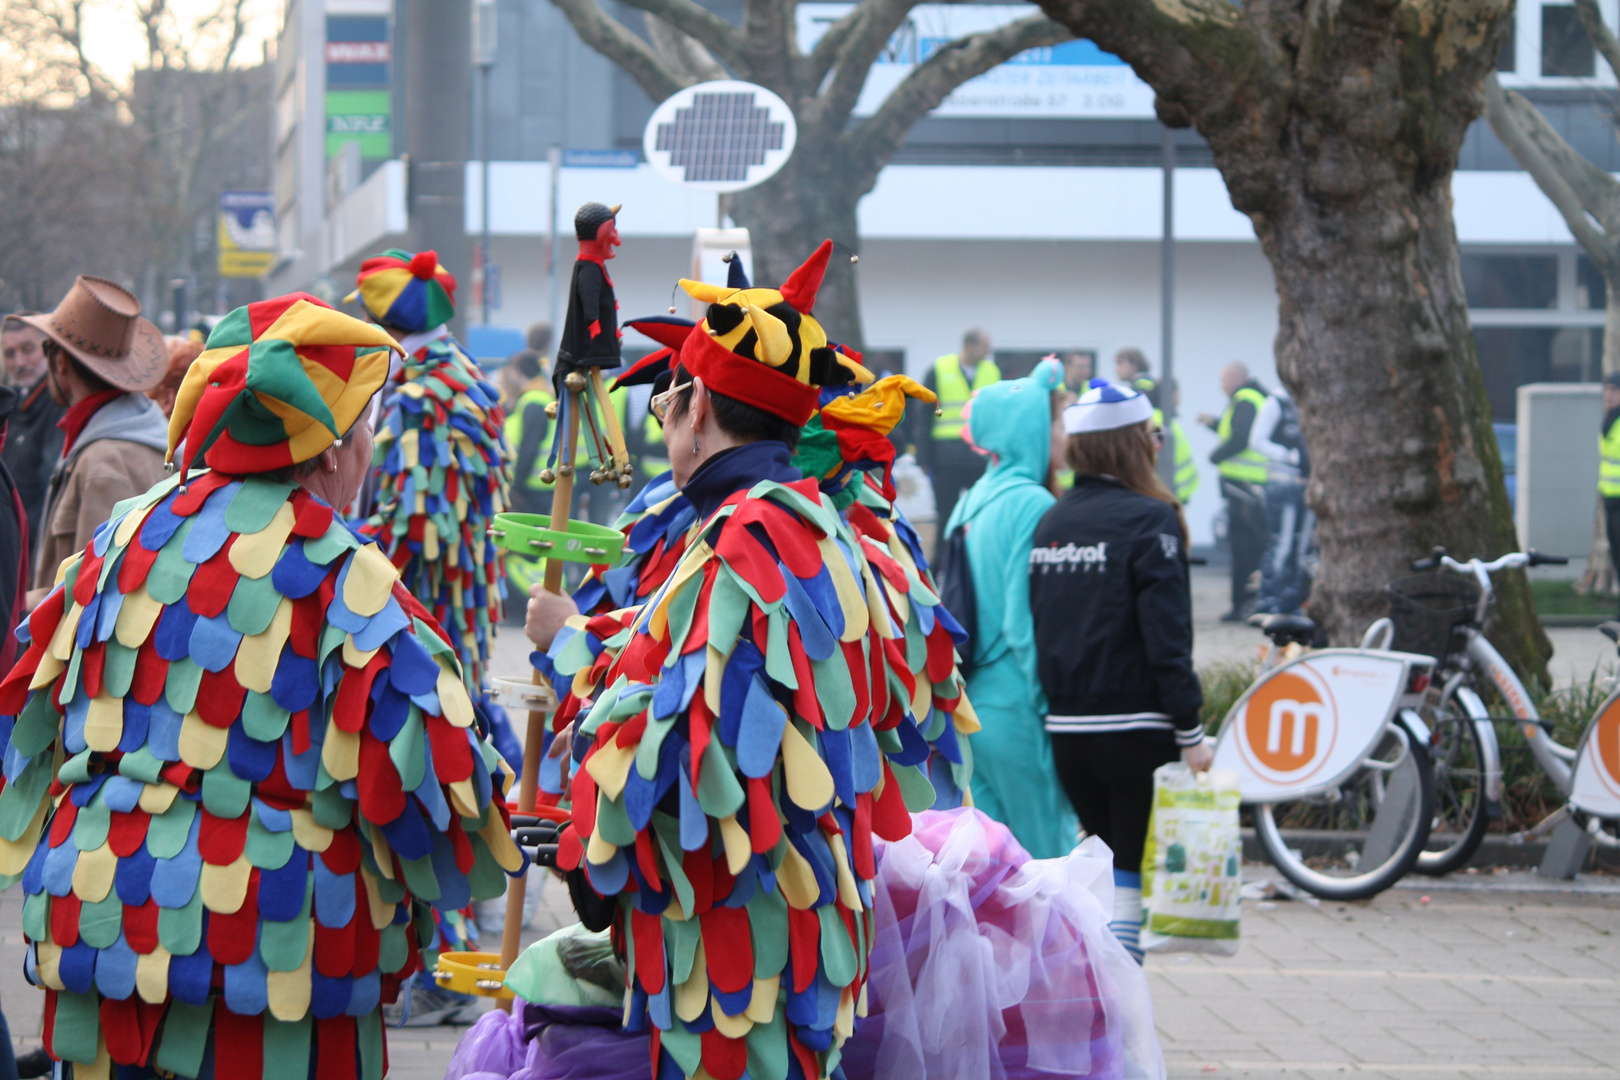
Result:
[
  {"x": 660, "y": 403},
  {"x": 1158, "y": 436}
]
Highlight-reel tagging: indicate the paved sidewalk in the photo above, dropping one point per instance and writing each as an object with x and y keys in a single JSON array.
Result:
[{"x": 1472, "y": 983}]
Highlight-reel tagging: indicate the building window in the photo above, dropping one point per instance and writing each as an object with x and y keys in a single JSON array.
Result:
[
  {"x": 1507, "y": 59},
  {"x": 1591, "y": 290},
  {"x": 1566, "y": 51},
  {"x": 1511, "y": 281},
  {"x": 1510, "y": 356}
]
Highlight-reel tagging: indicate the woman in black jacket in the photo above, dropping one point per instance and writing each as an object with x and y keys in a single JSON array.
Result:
[{"x": 1113, "y": 632}]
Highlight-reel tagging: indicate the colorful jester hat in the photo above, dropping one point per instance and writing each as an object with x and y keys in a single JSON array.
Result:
[
  {"x": 278, "y": 382},
  {"x": 762, "y": 347},
  {"x": 850, "y": 434},
  {"x": 409, "y": 292}
]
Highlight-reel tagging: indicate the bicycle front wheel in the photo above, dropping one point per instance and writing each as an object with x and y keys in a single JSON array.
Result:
[
  {"x": 1460, "y": 806},
  {"x": 1359, "y": 839}
]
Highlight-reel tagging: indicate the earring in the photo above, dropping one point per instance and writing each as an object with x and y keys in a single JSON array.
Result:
[{"x": 696, "y": 449}]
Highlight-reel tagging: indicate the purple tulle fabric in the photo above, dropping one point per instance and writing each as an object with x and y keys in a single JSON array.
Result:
[
  {"x": 551, "y": 1042},
  {"x": 986, "y": 965}
]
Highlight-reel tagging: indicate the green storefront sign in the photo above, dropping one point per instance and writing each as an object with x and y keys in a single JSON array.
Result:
[{"x": 360, "y": 116}]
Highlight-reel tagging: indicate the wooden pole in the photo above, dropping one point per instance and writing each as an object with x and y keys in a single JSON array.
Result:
[{"x": 529, "y": 782}]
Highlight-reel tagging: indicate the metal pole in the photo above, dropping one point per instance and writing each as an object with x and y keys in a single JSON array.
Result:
[
  {"x": 483, "y": 148},
  {"x": 1167, "y": 307},
  {"x": 554, "y": 159}
]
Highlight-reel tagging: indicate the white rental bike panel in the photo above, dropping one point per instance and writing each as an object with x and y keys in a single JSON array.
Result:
[
  {"x": 1306, "y": 726},
  {"x": 1596, "y": 788}
]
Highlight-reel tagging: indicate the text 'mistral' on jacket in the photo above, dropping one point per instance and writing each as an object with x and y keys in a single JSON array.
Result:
[{"x": 1113, "y": 616}]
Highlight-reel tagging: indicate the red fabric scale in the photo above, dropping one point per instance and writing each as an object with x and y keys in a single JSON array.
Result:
[
  {"x": 213, "y": 582},
  {"x": 197, "y": 491},
  {"x": 65, "y": 920},
  {"x": 130, "y": 1026},
  {"x": 239, "y": 1045},
  {"x": 92, "y": 662},
  {"x": 335, "y": 1056},
  {"x": 232, "y": 938},
  {"x": 62, "y": 822},
  {"x": 342, "y": 855},
  {"x": 151, "y": 673},
  {"x": 309, "y": 614},
  {"x": 127, "y": 832},
  {"x": 141, "y": 926},
  {"x": 940, "y": 658},
  {"x": 764, "y": 822},
  {"x": 725, "y": 1059},
  {"x": 88, "y": 575},
  {"x": 699, "y": 868},
  {"x": 890, "y": 819},
  {"x": 334, "y": 945},
  {"x": 136, "y": 564},
  {"x": 14, "y": 689},
  {"x": 220, "y": 697},
  {"x": 354, "y": 692},
  {"x": 728, "y": 948},
  {"x": 452, "y": 754},
  {"x": 804, "y": 947},
  {"x": 382, "y": 795},
  {"x": 648, "y": 931},
  {"x": 460, "y": 844},
  {"x": 311, "y": 518},
  {"x": 749, "y": 560},
  {"x": 861, "y": 834},
  {"x": 647, "y": 861},
  {"x": 220, "y": 840},
  {"x": 805, "y": 703}
]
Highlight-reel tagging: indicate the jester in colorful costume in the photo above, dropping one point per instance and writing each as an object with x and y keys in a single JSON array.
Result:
[
  {"x": 846, "y": 450},
  {"x": 443, "y": 466},
  {"x": 760, "y": 719},
  {"x": 241, "y": 765}
]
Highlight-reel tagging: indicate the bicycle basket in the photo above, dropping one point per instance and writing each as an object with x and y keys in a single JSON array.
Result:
[{"x": 1427, "y": 610}]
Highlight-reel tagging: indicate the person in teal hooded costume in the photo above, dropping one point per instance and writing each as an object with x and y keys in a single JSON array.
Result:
[{"x": 1013, "y": 777}]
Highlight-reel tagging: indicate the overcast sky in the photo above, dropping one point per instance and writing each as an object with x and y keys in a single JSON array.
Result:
[{"x": 113, "y": 37}]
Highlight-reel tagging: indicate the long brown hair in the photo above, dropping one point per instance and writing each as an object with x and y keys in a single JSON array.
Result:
[{"x": 1127, "y": 454}]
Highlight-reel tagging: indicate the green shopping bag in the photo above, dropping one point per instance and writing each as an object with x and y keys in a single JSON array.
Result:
[{"x": 1192, "y": 866}]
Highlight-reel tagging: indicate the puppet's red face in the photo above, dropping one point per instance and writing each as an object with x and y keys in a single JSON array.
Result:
[{"x": 607, "y": 238}]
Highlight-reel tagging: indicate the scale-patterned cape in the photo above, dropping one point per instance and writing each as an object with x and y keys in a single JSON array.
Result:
[
  {"x": 443, "y": 473},
  {"x": 761, "y": 725},
  {"x": 239, "y": 765},
  {"x": 658, "y": 524}
]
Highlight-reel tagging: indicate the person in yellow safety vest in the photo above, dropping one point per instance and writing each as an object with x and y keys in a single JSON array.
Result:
[
  {"x": 528, "y": 432},
  {"x": 1186, "y": 474},
  {"x": 1243, "y": 480},
  {"x": 1609, "y": 465},
  {"x": 954, "y": 378},
  {"x": 1131, "y": 369}
]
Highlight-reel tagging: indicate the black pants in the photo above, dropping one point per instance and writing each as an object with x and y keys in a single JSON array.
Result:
[
  {"x": 1109, "y": 781},
  {"x": 956, "y": 468},
  {"x": 1286, "y": 516},
  {"x": 1611, "y": 522},
  {"x": 1246, "y": 533}
]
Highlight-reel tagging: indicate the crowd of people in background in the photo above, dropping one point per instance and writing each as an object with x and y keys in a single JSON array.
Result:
[{"x": 1061, "y": 543}]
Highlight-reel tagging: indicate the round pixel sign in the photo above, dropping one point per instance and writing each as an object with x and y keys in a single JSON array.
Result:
[{"x": 720, "y": 136}]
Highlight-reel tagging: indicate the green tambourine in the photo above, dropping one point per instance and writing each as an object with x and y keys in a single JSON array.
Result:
[{"x": 581, "y": 541}]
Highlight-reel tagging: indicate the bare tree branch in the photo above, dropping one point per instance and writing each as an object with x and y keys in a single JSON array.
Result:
[
  {"x": 875, "y": 22},
  {"x": 814, "y": 67},
  {"x": 682, "y": 52},
  {"x": 614, "y": 40},
  {"x": 1603, "y": 38},
  {"x": 716, "y": 34},
  {"x": 1587, "y": 198},
  {"x": 874, "y": 142}
]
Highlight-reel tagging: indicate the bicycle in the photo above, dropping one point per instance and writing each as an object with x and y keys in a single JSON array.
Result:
[
  {"x": 1441, "y": 613},
  {"x": 1332, "y": 757}
]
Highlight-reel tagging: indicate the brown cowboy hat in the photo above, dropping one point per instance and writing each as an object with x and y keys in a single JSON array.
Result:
[{"x": 99, "y": 322}]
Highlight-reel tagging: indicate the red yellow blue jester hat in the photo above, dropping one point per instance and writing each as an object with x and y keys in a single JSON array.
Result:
[
  {"x": 762, "y": 347},
  {"x": 410, "y": 292},
  {"x": 277, "y": 382}
]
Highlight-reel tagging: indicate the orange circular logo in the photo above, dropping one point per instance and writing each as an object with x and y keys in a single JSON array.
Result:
[
  {"x": 1288, "y": 726},
  {"x": 1607, "y": 740}
]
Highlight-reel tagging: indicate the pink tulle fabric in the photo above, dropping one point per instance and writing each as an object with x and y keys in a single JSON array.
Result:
[{"x": 986, "y": 965}]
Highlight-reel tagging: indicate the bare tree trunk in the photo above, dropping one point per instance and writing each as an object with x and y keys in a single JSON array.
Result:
[
  {"x": 803, "y": 201},
  {"x": 1374, "y": 343}
]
